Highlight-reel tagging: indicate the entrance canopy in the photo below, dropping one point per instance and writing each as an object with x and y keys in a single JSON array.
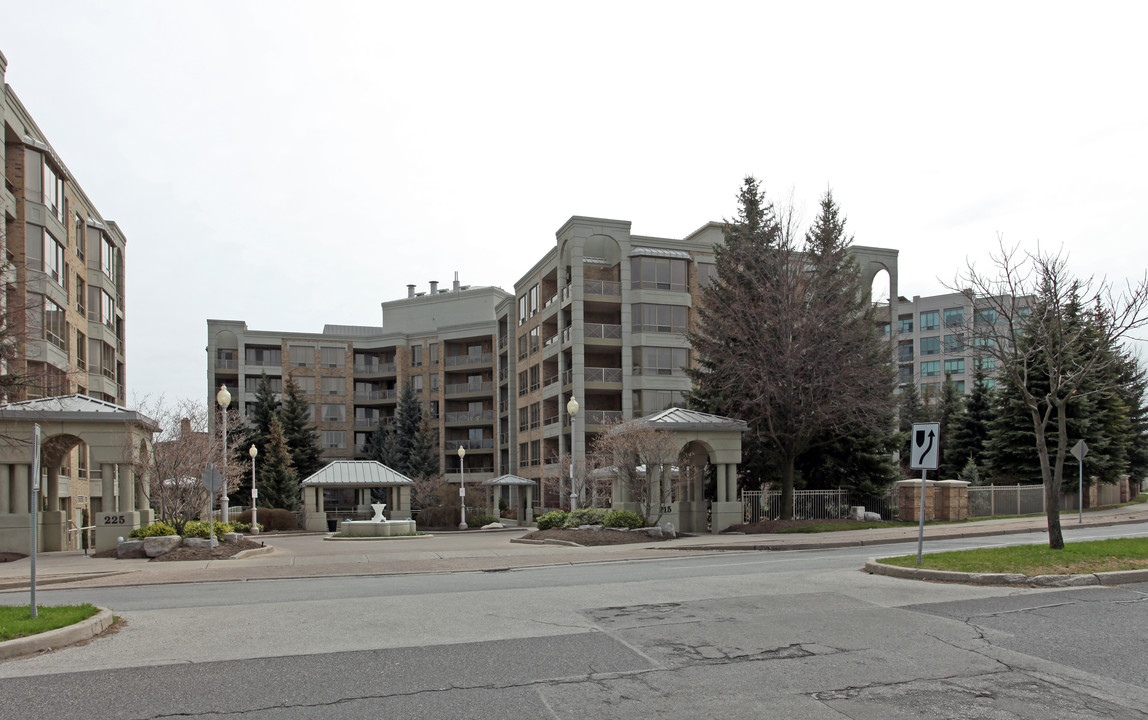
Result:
[{"x": 362, "y": 476}]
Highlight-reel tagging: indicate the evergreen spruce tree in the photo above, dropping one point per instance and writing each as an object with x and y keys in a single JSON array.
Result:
[
  {"x": 970, "y": 432},
  {"x": 301, "y": 436},
  {"x": 1134, "y": 391},
  {"x": 949, "y": 412},
  {"x": 277, "y": 481},
  {"x": 424, "y": 453},
  {"x": 910, "y": 410}
]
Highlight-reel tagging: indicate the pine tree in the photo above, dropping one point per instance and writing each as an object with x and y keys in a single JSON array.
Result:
[
  {"x": 301, "y": 436},
  {"x": 910, "y": 410},
  {"x": 278, "y": 482},
  {"x": 424, "y": 453}
]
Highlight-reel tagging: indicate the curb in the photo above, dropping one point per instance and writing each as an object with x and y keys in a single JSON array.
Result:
[
  {"x": 548, "y": 541},
  {"x": 59, "y": 579},
  {"x": 1117, "y": 577},
  {"x": 58, "y": 638},
  {"x": 957, "y": 535},
  {"x": 253, "y": 552}
]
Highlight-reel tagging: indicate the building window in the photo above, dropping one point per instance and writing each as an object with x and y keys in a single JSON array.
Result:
[
  {"x": 333, "y": 357},
  {"x": 660, "y": 318},
  {"x": 985, "y": 317},
  {"x": 535, "y": 415},
  {"x": 523, "y": 348},
  {"x": 535, "y": 453},
  {"x": 931, "y": 345},
  {"x": 523, "y": 455},
  {"x": 251, "y": 384},
  {"x": 960, "y": 385},
  {"x": 434, "y": 382},
  {"x": 301, "y": 356},
  {"x": 433, "y": 353},
  {"x": 986, "y": 364},
  {"x": 930, "y": 390},
  {"x": 931, "y": 368},
  {"x": 81, "y": 351},
  {"x": 905, "y": 351},
  {"x": 417, "y": 383},
  {"x": 904, "y": 324},
  {"x": 334, "y": 386},
  {"x": 107, "y": 309},
  {"x": 416, "y": 355},
  {"x": 954, "y": 344},
  {"x": 904, "y": 373},
  {"x": 930, "y": 320},
  {"x": 534, "y": 301},
  {"x": 267, "y": 357},
  {"x": 654, "y": 273},
  {"x": 333, "y": 412},
  {"x": 955, "y": 367},
  {"x": 108, "y": 258},
  {"x": 53, "y": 192},
  {"x": 521, "y": 309},
  {"x": 883, "y": 329},
  {"x": 81, "y": 293},
  {"x": 54, "y": 259},
  {"x": 535, "y": 339},
  {"x": 306, "y": 384},
  {"x": 662, "y": 361},
  {"x": 523, "y": 384},
  {"x": 535, "y": 377},
  {"x": 55, "y": 329},
  {"x": 954, "y": 317},
  {"x": 652, "y": 401},
  {"x": 523, "y": 419},
  {"x": 335, "y": 439},
  {"x": 707, "y": 273}
]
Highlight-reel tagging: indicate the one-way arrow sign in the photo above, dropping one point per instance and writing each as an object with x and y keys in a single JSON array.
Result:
[{"x": 925, "y": 446}]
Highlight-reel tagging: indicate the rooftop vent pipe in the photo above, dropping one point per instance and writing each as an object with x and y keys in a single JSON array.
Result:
[
  {"x": 410, "y": 291},
  {"x": 434, "y": 287}
]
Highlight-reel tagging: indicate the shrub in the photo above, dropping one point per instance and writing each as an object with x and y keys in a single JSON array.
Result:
[
  {"x": 552, "y": 519},
  {"x": 203, "y": 528},
  {"x": 156, "y": 529},
  {"x": 480, "y": 520},
  {"x": 243, "y": 527},
  {"x": 276, "y": 519},
  {"x": 585, "y": 516},
  {"x": 623, "y": 519}
]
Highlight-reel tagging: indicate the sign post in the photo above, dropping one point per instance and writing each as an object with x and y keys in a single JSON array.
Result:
[
  {"x": 35, "y": 510},
  {"x": 924, "y": 453},
  {"x": 211, "y": 480},
  {"x": 1079, "y": 451}
]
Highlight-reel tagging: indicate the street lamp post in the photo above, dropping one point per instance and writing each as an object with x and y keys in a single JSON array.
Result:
[
  {"x": 462, "y": 485},
  {"x": 224, "y": 399},
  {"x": 253, "y": 451},
  {"x": 572, "y": 410}
]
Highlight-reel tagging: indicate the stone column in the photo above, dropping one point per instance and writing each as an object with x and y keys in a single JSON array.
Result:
[
  {"x": 53, "y": 487},
  {"x": 5, "y": 490},
  {"x": 731, "y": 481},
  {"x": 127, "y": 481},
  {"x": 721, "y": 484},
  {"x": 21, "y": 489},
  {"x": 108, "y": 481}
]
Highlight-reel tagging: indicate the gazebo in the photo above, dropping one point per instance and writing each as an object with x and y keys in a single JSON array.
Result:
[
  {"x": 703, "y": 439},
  {"x": 523, "y": 506},
  {"x": 117, "y": 442},
  {"x": 356, "y": 479}
]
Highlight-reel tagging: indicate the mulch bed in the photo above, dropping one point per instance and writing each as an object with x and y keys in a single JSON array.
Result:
[
  {"x": 605, "y": 536},
  {"x": 219, "y": 552},
  {"x": 773, "y": 526}
]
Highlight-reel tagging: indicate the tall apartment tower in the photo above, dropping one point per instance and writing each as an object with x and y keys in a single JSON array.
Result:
[
  {"x": 63, "y": 272},
  {"x": 441, "y": 342}
]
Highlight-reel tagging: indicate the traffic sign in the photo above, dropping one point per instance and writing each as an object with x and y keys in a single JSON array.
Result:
[
  {"x": 925, "y": 446},
  {"x": 211, "y": 478},
  {"x": 1079, "y": 450}
]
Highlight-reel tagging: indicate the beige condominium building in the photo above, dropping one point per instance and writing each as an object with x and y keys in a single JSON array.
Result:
[
  {"x": 64, "y": 280},
  {"x": 601, "y": 317}
]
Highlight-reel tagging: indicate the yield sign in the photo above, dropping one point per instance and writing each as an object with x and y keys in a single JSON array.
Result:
[{"x": 925, "y": 446}]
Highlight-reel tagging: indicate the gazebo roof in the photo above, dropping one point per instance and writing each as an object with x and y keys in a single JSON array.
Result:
[
  {"x": 73, "y": 408},
  {"x": 356, "y": 473},
  {"x": 683, "y": 419},
  {"x": 510, "y": 480}
]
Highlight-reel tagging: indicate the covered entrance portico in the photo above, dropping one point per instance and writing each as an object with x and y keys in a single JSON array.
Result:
[
  {"x": 523, "y": 503},
  {"x": 705, "y": 441},
  {"x": 117, "y": 442}
]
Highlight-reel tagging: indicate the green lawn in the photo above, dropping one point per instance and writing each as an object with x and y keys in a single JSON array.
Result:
[
  {"x": 16, "y": 621},
  {"x": 1083, "y": 557}
]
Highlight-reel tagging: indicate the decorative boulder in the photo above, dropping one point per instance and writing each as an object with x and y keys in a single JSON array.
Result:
[
  {"x": 232, "y": 537},
  {"x": 493, "y": 526},
  {"x": 872, "y": 517},
  {"x": 130, "y": 549},
  {"x": 668, "y": 530},
  {"x": 200, "y": 542},
  {"x": 654, "y": 531},
  {"x": 160, "y": 545}
]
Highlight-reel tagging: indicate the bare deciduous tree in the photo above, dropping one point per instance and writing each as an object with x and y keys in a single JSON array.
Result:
[
  {"x": 1022, "y": 319},
  {"x": 642, "y": 458}
]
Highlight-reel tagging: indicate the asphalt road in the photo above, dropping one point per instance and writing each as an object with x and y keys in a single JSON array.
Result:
[{"x": 795, "y": 634}]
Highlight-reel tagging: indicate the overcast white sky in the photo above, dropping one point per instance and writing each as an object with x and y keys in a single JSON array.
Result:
[{"x": 297, "y": 163}]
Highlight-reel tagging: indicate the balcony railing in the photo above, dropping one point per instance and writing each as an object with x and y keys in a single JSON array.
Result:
[
  {"x": 374, "y": 368},
  {"x": 226, "y": 364},
  {"x": 550, "y": 381},
  {"x": 457, "y": 360},
  {"x": 566, "y": 335},
  {"x": 567, "y": 292},
  {"x": 375, "y": 395},
  {"x": 609, "y": 375},
  {"x": 502, "y": 341},
  {"x": 483, "y": 444},
  {"x": 605, "y": 332},
  {"x": 478, "y": 416},
  {"x": 472, "y": 387},
  {"x": 368, "y": 422},
  {"x": 602, "y": 287},
  {"x": 550, "y": 302},
  {"x": 567, "y": 377},
  {"x": 550, "y": 340},
  {"x": 603, "y": 417},
  {"x": 553, "y": 419}
]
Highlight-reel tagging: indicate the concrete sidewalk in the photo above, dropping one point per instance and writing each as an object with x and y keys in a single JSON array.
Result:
[{"x": 295, "y": 556}]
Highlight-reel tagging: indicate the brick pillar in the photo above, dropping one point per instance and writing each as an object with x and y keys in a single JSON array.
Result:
[{"x": 908, "y": 499}]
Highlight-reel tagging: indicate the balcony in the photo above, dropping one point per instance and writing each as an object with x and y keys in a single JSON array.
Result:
[
  {"x": 375, "y": 395},
  {"x": 372, "y": 422},
  {"x": 553, "y": 299},
  {"x": 550, "y": 381},
  {"x": 550, "y": 340},
  {"x": 226, "y": 364},
  {"x": 467, "y": 417},
  {"x": 483, "y": 444},
  {"x": 612, "y": 288},
  {"x": 469, "y": 388},
  {"x": 603, "y": 375},
  {"x": 375, "y": 369},
  {"x": 502, "y": 341},
  {"x": 598, "y": 331},
  {"x": 603, "y": 417},
  {"x": 465, "y": 360}
]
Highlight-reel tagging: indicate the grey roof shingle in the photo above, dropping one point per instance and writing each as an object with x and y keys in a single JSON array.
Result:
[{"x": 356, "y": 473}]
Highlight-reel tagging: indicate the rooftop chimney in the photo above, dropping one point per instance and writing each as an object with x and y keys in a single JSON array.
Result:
[
  {"x": 456, "y": 280},
  {"x": 410, "y": 291},
  {"x": 434, "y": 287}
]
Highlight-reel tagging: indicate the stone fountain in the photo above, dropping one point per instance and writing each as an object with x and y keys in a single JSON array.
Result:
[{"x": 378, "y": 525}]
